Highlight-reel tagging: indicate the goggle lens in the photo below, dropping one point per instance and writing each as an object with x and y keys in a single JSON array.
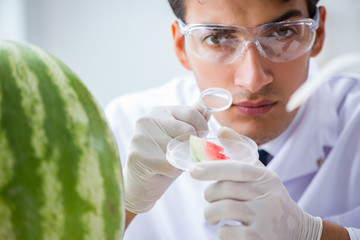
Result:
[{"x": 222, "y": 44}]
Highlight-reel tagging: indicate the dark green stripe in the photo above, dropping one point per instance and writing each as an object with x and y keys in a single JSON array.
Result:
[
  {"x": 98, "y": 135},
  {"x": 59, "y": 131},
  {"x": 22, "y": 193}
]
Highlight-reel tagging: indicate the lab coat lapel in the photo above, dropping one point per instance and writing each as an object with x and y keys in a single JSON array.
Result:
[{"x": 313, "y": 129}]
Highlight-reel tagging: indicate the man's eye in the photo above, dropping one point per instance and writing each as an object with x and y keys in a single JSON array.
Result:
[
  {"x": 212, "y": 40},
  {"x": 283, "y": 32}
]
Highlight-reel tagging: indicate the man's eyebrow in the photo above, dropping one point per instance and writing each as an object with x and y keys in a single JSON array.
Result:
[{"x": 289, "y": 14}]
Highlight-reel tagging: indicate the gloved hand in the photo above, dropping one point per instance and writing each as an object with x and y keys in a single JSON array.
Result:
[
  {"x": 147, "y": 173},
  {"x": 251, "y": 194}
]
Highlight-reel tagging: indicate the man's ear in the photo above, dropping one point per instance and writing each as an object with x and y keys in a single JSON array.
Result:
[
  {"x": 320, "y": 33},
  {"x": 179, "y": 45}
]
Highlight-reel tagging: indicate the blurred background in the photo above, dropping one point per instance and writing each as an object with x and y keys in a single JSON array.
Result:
[{"x": 118, "y": 46}]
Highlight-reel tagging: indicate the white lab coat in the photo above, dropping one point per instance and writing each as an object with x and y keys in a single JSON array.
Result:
[{"x": 330, "y": 120}]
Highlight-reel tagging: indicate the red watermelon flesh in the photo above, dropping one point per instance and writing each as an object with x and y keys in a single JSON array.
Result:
[{"x": 203, "y": 150}]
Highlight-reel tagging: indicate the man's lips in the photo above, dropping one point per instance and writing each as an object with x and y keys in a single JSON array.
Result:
[{"x": 254, "y": 108}]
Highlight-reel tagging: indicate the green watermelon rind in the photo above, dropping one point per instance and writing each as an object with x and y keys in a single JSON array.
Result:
[
  {"x": 63, "y": 172},
  {"x": 197, "y": 149}
]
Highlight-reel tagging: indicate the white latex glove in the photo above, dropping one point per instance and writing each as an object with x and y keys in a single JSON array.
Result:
[
  {"x": 147, "y": 173},
  {"x": 251, "y": 194}
]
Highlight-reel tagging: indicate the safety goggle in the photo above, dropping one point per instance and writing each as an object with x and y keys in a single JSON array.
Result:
[{"x": 278, "y": 41}]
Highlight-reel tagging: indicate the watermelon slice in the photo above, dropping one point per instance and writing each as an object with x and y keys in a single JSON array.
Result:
[{"x": 202, "y": 150}]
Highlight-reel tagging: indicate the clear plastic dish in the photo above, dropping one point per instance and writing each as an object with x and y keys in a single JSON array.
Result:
[{"x": 178, "y": 149}]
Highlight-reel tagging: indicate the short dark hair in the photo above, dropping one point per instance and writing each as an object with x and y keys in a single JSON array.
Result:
[{"x": 178, "y": 7}]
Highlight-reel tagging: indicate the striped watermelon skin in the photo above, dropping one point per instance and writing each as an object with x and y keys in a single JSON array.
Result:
[{"x": 60, "y": 171}]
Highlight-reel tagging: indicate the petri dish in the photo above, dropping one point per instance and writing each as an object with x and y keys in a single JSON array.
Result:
[
  {"x": 215, "y": 99},
  {"x": 178, "y": 149}
]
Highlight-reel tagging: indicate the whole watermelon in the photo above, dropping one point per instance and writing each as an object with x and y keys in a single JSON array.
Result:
[{"x": 60, "y": 172}]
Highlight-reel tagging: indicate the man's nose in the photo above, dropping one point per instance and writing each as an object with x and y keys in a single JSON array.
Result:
[{"x": 252, "y": 73}]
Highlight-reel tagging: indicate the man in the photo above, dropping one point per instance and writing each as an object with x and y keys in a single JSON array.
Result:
[{"x": 260, "y": 51}]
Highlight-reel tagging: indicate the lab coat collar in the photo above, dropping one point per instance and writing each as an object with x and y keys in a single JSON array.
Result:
[
  {"x": 303, "y": 146},
  {"x": 273, "y": 147},
  {"x": 300, "y": 150}
]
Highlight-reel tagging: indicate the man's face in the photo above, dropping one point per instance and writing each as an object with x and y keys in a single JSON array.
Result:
[{"x": 260, "y": 88}]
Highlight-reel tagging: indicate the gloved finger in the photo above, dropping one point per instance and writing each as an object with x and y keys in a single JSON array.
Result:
[
  {"x": 153, "y": 132},
  {"x": 175, "y": 119},
  {"x": 144, "y": 144},
  {"x": 232, "y": 170},
  {"x": 228, "y": 209},
  {"x": 242, "y": 191},
  {"x": 227, "y": 232},
  {"x": 140, "y": 197},
  {"x": 154, "y": 163},
  {"x": 189, "y": 115},
  {"x": 163, "y": 124},
  {"x": 206, "y": 113}
]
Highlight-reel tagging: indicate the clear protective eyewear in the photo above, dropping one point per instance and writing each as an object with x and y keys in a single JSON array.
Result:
[{"x": 278, "y": 41}]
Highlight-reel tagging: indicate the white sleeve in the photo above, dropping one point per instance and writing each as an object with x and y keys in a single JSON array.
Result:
[
  {"x": 121, "y": 122},
  {"x": 354, "y": 233}
]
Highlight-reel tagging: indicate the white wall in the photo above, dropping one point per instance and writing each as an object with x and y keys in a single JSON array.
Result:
[
  {"x": 119, "y": 46},
  {"x": 12, "y": 19},
  {"x": 342, "y": 29},
  {"x": 115, "y": 46}
]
